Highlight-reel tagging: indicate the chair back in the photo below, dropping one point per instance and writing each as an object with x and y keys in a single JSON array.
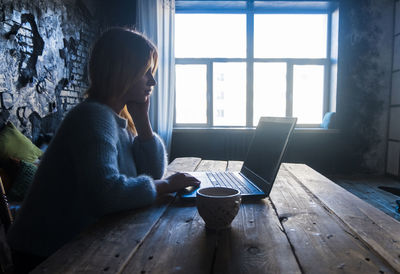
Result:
[
  {"x": 5, "y": 213},
  {"x": 6, "y": 220}
]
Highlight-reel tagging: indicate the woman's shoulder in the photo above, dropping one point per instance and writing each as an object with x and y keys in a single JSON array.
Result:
[
  {"x": 90, "y": 113},
  {"x": 91, "y": 106},
  {"x": 90, "y": 109}
]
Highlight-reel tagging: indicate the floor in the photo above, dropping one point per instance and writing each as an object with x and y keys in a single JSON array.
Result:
[{"x": 367, "y": 188}]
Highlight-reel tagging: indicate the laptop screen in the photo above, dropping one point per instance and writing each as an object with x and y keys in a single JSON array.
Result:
[{"x": 267, "y": 147}]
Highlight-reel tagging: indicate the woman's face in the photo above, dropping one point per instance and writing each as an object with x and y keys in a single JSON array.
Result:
[{"x": 141, "y": 90}]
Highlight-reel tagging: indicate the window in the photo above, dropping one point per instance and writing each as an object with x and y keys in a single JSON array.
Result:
[{"x": 239, "y": 60}]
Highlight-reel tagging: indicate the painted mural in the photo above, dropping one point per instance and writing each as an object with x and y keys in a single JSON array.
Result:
[{"x": 43, "y": 49}]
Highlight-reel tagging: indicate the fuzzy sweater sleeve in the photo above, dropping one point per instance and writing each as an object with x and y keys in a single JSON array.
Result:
[
  {"x": 150, "y": 156},
  {"x": 94, "y": 150}
]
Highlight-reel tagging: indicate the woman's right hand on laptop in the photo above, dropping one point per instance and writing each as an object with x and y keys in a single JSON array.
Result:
[{"x": 175, "y": 182}]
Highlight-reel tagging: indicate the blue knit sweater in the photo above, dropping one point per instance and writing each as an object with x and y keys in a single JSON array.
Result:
[{"x": 92, "y": 167}]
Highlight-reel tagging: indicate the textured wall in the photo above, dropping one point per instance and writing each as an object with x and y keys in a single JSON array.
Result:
[
  {"x": 43, "y": 55},
  {"x": 365, "y": 51}
]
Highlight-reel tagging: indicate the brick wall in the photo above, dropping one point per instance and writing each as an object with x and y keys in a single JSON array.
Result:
[{"x": 44, "y": 47}]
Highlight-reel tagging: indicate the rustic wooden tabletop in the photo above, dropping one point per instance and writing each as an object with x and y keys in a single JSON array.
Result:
[{"x": 307, "y": 225}]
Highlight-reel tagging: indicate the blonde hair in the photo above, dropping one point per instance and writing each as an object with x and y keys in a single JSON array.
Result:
[{"x": 119, "y": 58}]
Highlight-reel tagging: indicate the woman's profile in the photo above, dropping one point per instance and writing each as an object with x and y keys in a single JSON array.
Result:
[{"x": 103, "y": 158}]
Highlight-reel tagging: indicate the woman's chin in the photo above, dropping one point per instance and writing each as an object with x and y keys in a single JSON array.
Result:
[
  {"x": 139, "y": 100},
  {"x": 146, "y": 98}
]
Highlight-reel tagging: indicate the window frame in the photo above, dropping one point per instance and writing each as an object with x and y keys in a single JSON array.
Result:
[{"x": 269, "y": 7}]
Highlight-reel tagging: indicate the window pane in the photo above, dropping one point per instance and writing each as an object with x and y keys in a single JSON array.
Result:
[
  {"x": 229, "y": 94},
  {"x": 210, "y": 35},
  {"x": 269, "y": 90},
  {"x": 290, "y": 35},
  {"x": 191, "y": 94},
  {"x": 308, "y": 92}
]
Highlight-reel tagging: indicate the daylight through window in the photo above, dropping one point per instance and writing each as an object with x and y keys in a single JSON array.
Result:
[{"x": 235, "y": 65}]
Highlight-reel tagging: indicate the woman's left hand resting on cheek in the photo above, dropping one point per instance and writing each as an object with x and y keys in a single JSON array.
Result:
[
  {"x": 140, "y": 117},
  {"x": 175, "y": 182}
]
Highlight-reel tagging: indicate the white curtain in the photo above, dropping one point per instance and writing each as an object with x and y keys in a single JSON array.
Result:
[{"x": 155, "y": 19}]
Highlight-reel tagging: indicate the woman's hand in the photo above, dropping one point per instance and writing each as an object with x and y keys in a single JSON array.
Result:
[
  {"x": 140, "y": 116},
  {"x": 139, "y": 108},
  {"x": 175, "y": 182}
]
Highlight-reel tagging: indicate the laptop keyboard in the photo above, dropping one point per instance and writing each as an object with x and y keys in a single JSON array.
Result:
[{"x": 228, "y": 179}]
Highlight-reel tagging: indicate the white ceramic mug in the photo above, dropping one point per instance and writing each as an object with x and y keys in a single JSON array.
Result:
[{"x": 218, "y": 206}]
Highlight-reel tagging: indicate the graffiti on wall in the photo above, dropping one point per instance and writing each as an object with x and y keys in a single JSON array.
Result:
[
  {"x": 29, "y": 46},
  {"x": 43, "y": 53}
]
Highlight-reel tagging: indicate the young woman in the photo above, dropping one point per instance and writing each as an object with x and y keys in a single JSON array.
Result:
[{"x": 104, "y": 157}]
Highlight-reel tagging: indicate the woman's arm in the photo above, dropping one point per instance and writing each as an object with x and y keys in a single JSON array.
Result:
[
  {"x": 93, "y": 146},
  {"x": 150, "y": 153},
  {"x": 150, "y": 156},
  {"x": 148, "y": 148}
]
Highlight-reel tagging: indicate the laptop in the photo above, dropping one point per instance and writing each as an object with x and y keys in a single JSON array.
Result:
[{"x": 261, "y": 165}]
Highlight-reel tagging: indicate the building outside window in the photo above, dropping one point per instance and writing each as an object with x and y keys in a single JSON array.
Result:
[{"x": 239, "y": 60}]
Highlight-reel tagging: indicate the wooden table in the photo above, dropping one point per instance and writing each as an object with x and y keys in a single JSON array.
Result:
[{"x": 307, "y": 225}]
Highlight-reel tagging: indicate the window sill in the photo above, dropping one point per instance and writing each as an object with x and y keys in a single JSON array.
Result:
[{"x": 298, "y": 130}]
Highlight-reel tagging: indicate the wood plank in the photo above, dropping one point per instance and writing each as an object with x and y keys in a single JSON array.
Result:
[
  {"x": 210, "y": 165},
  {"x": 369, "y": 192},
  {"x": 318, "y": 236},
  {"x": 256, "y": 243},
  {"x": 261, "y": 252},
  {"x": 109, "y": 244},
  {"x": 169, "y": 247},
  {"x": 234, "y": 166},
  {"x": 178, "y": 244},
  {"x": 183, "y": 164},
  {"x": 379, "y": 231}
]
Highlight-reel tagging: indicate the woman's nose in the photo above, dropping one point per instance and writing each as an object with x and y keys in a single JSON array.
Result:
[{"x": 152, "y": 81}]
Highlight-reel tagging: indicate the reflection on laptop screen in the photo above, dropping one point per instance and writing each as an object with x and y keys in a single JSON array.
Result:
[{"x": 266, "y": 148}]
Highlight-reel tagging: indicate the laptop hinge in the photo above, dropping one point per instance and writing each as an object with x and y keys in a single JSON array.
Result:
[
  {"x": 262, "y": 184},
  {"x": 251, "y": 182}
]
